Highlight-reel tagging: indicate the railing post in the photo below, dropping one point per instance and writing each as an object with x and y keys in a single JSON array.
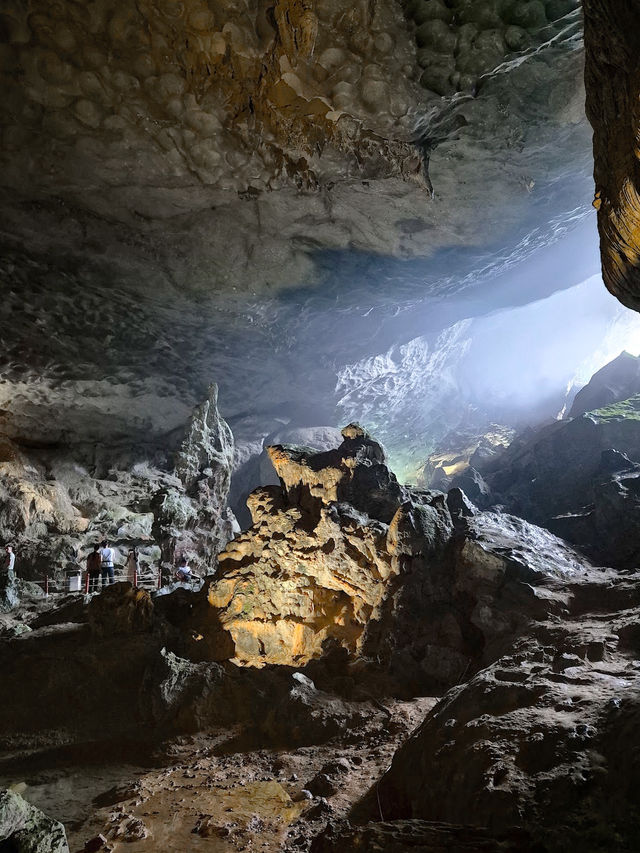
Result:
[
  {"x": 46, "y": 586},
  {"x": 86, "y": 584},
  {"x": 159, "y": 577}
]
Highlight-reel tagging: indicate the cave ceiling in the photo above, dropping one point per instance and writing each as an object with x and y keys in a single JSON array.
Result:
[{"x": 265, "y": 193}]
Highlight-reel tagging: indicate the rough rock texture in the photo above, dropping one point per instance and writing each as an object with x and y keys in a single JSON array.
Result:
[
  {"x": 227, "y": 117},
  {"x": 253, "y": 466},
  {"x": 418, "y": 836},
  {"x": 314, "y": 567},
  {"x": 579, "y": 478},
  {"x": 170, "y": 169},
  {"x": 341, "y": 557},
  {"x": 193, "y": 521},
  {"x": 9, "y": 589},
  {"x": 537, "y": 648},
  {"x": 543, "y": 734},
  {"x": 407, "y": 600},
  {"x": 136, "y": 681},
  {"x": 616, "y": 381},
  {"x": 462, "y": 449},
  {"x": 57, "y": 501},
  {"x": 25, "y": 829},
  {"x": 613, "y": 88}
]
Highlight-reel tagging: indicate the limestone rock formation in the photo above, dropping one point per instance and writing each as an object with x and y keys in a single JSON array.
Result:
[
  {"x": 340, "y": 557},
  {"x": 253, "y": 467},
  {"x": 543, "y": 734},
  {"x": 56, "y": 502},
  {"x": 183, "y": 182},
  {"x": 417, "y": 836},
  {"x": 579, "y": 477},
  {"x": 9, "y": 590},
  {"x": 208, "y": 445},
  {"x": 395, "y": 592},
  {"x": 616, "y": 381},
  {"x": 192, "y": 520},
  {"x": 234, "y": 117},
  {"x": 461, "y": 449},
  {"x": 401, "y": 592},
  {"x": 314, "y": 567},
  {"x": 25, "y": 829},
  {"x": 613, "y": 88}
]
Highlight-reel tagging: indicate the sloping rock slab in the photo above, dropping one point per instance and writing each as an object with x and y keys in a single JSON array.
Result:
[{"x": 25, "y": 829}]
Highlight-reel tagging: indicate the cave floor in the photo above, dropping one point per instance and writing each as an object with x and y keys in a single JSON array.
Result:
[{"x": 211, "y": 791}]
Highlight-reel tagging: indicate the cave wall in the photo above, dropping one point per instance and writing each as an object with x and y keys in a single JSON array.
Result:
[{"x": 612, "y": 41}]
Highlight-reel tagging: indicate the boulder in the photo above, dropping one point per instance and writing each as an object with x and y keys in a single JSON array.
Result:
[
  {"x": 277, "y": 706},
  {"x": 543, "y": 733},
  {"x": 302, "y": 714},
  {"x": 120, "y": 609},
  {"x": 25, "y": 829}
]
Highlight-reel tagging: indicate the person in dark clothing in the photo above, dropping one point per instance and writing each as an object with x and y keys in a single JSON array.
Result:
[{"x": 94, "y": 564}]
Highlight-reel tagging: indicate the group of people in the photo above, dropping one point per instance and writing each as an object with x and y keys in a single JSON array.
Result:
[{"x": 100, "y": 567}]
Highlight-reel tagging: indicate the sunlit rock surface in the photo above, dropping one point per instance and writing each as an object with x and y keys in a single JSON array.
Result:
[
  {"x": 315, "y": 566},
  {"x": 348, "y": 592},
  {"x": 24, "y": 829},
  {"x": 578, "y": 477},
  {"x": 616, "y": 381},
  {"x": 366, "y": 584}
]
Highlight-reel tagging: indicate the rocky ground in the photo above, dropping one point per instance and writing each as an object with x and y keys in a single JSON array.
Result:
[
  {"x": 213, "y": 790},
  {"x": 200, "y": 719}
]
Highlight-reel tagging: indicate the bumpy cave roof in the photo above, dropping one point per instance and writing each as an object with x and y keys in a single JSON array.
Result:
[{"x": 198, "y": 190}]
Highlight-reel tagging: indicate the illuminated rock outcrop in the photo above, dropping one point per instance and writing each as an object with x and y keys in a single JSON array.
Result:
[
  {"x": 420, "y": 585},
  {"x": 313, "y": 568},
  {"x": 613, "y": 88}
]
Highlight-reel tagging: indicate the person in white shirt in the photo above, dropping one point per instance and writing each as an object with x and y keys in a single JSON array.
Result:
[
  {"x": 183, "y": 572},
  {"x": 106, "y": 554},
  {"x": 9, "y": 560}
]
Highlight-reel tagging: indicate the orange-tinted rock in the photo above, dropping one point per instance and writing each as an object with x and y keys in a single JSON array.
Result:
[{"x": 612, "y": 40}]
